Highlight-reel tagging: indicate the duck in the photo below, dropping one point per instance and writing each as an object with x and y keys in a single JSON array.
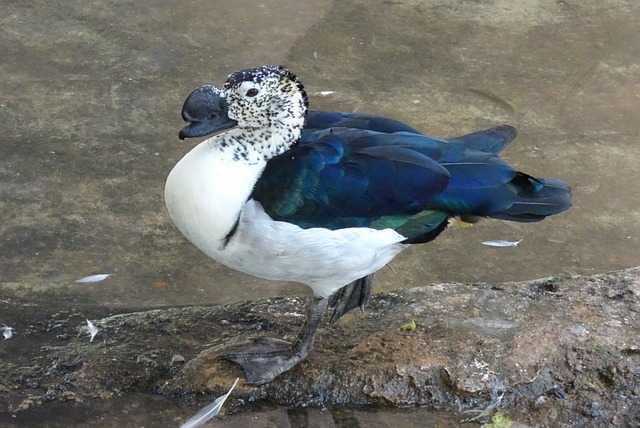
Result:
[{"x": 326, "y": 199}]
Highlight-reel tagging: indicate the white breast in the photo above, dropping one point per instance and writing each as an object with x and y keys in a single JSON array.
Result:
[
  {"x": 205, "y": 192},
  {"x": 207, "y": 196}
]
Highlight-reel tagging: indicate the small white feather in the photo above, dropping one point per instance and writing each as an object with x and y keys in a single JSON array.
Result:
[
  {"x": 92, "y": 330},
  {"x": 324, "y": 93},
  {"x": 500, "y": 243},
  {"x": 7, "y": 332},
  {"x": 209, "y": 411},
  {"x": 94, "y": 278}
]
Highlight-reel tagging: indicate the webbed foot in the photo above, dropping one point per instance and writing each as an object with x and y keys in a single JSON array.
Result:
[{"x": 266, "y": 358}]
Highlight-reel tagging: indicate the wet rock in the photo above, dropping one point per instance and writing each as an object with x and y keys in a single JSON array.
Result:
[
  {"x": 593, "y": 409},
  {"x": 543, "y": 352}
]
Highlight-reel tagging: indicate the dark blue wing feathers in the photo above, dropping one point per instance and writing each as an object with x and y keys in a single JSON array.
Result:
[
  {"x": 351, "y": 170},
  {"x": 332, "y": 182},
  {"x": 317, "y": 120},
  {"x": 492, "y": 140},
  {"x": 537, "y": 199}
]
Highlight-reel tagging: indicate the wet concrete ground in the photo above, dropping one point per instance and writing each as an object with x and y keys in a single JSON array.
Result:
[
  {"x": 90, "y": 95},
  {"x": 92, "y": 91}
]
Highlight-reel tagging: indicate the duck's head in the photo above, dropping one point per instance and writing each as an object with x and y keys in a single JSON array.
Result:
[{"x": 266, "y": 98}]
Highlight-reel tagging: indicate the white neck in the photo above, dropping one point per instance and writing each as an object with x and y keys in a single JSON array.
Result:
[
  {"x": 252, "y": 145},
  {"x": 206, "y": 190}
]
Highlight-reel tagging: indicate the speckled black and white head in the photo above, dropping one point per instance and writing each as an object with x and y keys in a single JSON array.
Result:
[{"x": 269, "y": 104}]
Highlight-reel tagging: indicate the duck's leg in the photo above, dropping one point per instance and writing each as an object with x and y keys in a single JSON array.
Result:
[
  {"x": 266, "y": 358},
  {"x": 354, "y": 295}
]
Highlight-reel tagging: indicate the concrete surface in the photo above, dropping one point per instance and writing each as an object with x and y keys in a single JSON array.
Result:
[{"x": 90, "y": 96}]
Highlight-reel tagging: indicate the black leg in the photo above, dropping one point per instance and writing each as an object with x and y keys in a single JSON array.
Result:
[
  {"x": 266, "y": 358},
  {"x": 352, "y": 296}
]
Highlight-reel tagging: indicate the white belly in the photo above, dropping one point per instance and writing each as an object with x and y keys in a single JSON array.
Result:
[{"x": 324, "y": 260}]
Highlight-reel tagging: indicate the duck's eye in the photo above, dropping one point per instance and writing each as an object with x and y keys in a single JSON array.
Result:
[{"x": 252, "y": 92}]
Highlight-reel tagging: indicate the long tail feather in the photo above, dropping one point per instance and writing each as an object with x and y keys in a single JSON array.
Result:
[{"x": 537, "y": 199}]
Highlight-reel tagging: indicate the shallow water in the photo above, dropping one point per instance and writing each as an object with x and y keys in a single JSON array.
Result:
[
  {"x": 90, "y": 110},
  {"x": 136, "y": 411}
]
